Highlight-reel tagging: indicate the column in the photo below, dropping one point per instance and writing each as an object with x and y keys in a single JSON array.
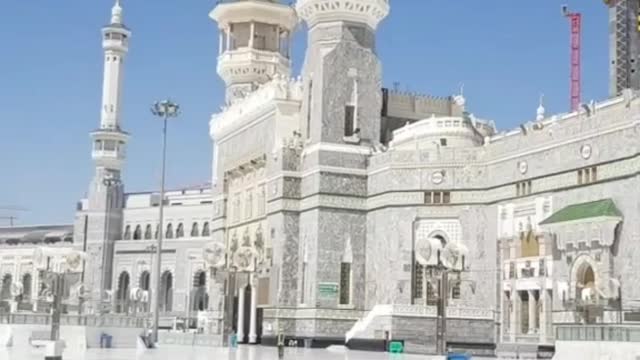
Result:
[
  {"x": 513, "y": 318},
  {"x": 252, "y": 34},
  {"x": 253, "y": 336},
  {"x": 240, "y": 314},
  {"x": 532, "y": 312},
  {"x": 221, "y": 42},
  {"x": 228, "y": 31},
  {"x": 543, "y": 315},
  {"x": 517, "y": 316}
]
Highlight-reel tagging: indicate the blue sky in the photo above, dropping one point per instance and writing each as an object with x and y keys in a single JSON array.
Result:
[{"x": 505, "y": 52}]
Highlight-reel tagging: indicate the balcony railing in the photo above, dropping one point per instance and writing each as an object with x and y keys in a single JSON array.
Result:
[
  {"x": 618, "y": 333},
  {"x": 75, "y": 320}
]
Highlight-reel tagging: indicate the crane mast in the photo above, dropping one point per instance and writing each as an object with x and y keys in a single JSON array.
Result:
[
  {"x": 624, "y": 43},
  {"x": 575, "y": 21}
]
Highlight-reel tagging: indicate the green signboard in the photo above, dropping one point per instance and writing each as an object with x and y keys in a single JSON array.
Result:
[{"x": 328, "y": 289}]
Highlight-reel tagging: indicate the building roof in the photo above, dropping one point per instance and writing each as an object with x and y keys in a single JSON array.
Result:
[
  {"x": 594, "y": 209},
  {"x": 36, "y": 234}
]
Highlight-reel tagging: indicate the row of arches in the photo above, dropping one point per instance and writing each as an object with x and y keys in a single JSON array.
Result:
[
  {"x": 199, "y": 298},
  {"x": 149, "y": 233}
]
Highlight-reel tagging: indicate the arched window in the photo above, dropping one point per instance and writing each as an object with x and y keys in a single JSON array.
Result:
[
  {"x": 5, "y": 292},
  {"x": 137, "y": 233},
  {"x": 147, "y": 232},
  {"x": 205, "y": 229},
  {"x": 155, "y": 235},
  {"x": 127, "y": 233},
  {"x": 194, "y": 230},
  {"x": 180, "y": 231},
  {"x": 166, "y": 292},
  {"x": 122, "y": 296},
  {"x": 169, "y": 233},
  {"x": 26, "y": 287},
  {"x": 145, "y": 281},
  {"x": 199, "y": 292}
]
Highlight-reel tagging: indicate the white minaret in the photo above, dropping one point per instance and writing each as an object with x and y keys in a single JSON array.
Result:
[
  {"x": 109, "y": 141},
  {"x": 101, "y": 217}
]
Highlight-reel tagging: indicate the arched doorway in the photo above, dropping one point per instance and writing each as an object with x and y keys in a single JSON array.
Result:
[
  {"x": 145, "y": 284},
  {"x": 199, "y": 296},
  {"x": 586, "y": 293},
  {"x": 166, "y": 292},
  {"x": 26, "y": 287},
  {"x": 122, "y": 296},
  {"x": 5, "y": 292}
]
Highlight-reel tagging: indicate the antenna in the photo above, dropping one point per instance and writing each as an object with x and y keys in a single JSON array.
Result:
[{"x": 11, "y": 218}]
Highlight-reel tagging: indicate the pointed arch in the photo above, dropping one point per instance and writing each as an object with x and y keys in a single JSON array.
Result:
[
  {"x": 195, "y": 232},
  {"x": 169, "y": 233},
  {"x": 5, "y": 290},
  {"x": 166, "y": 292},
  {"x": 137, "y": 233},
  {"x": 122, "y": 294},
  {"x": 148, "y": 232},
  {"x": 180, "y": 231},
  {"x": 205, "y": 229},
  {"x": 127, "y": 233},
  {"x": 27, "y": 283},
  {"x": 199, "y": 294}
]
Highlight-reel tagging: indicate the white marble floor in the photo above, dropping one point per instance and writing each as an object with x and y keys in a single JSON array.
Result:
[{"x": 195, "y": 353}]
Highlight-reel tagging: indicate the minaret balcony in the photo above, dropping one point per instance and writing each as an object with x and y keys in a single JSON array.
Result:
[
  {"x": 371, "y": 12},
  {"x": 249, "y": 65}
]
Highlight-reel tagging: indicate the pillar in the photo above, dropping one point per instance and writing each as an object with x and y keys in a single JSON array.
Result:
[
  {"x": 228, "y": 31},
  {"x": 532, "y": 312},
  {"x": 513, "y": 317},
  {"x": 221, "y": 43},
  {"x": 252, "y": 34},
  {"x": 240, "y": 313},
  {"x": 543, "y": 315},
  {"x": 253, "y": 336}
]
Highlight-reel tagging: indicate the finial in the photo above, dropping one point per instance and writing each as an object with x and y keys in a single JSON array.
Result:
[
  {"x": 459, "y": 99},
  {"x": 541, "y": 110},
  {"x": 116, "y": 13}
]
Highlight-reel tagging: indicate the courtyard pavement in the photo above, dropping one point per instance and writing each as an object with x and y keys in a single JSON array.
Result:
[{"x": 201, "y": 353}]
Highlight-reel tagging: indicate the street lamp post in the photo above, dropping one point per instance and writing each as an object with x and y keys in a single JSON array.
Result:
[{"x": 165, "y": 109}]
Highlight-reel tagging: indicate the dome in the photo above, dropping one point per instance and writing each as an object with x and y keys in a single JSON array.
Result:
[{"x": 455, "y": 132}]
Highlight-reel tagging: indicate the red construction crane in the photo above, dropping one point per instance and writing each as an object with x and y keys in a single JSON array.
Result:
[{"x": 575, "y": 20}]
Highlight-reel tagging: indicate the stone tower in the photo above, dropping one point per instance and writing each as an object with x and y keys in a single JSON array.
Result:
[
  {"x": 340, "y": 119},
  {"x": 342, "y": 71},
  {"x": 254, "y": 44},
  {"x": 99, "y": 220}
]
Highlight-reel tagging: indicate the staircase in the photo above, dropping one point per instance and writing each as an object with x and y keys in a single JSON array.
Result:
[{"x": 361, "y": 326}]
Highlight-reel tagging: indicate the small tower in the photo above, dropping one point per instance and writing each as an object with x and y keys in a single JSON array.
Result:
[
  {"x": 99, "y": 219},
  {"x": 343, "y": 74},
  {"x": 254, "y": 43}
]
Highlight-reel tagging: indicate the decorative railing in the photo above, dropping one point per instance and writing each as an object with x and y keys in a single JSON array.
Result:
[
  {"x": 75, "y": 320},
  {"x": 618, "y": 333}
]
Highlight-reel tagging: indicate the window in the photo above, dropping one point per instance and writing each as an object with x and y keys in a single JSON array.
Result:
[
  {"x": 349, "y": 120},
  {"x": 456, "y": 290},
  {"x": 345, "y": 283},
  {"x": 419, "y": 281},
  {"x": 137, "y": 233},
  {"x": 147, "y": 232},
  {"x": 443, "y": 142},
  {"x": 437, "y": 197},
  {"x": 261, "y": 201},
  {"x": 542, "y": 271},
  {"x": 169, "y": 233},
  {"x": 512, "y": 270},
  {"x": 303, "y": 289},
  {"x": 97, "y": 145},
  {"x": 180, "y": 231},
  {"x": 523, "y": 188},
  {"x": 587, "y": 175},
  {"x": 432, "y": 292},
  {"x": 205, "y": 229},
  {"x": 155, "y": 235},
  {"x": 248, "y": 205},
  {"x": 194, "y": 230},
  {"x": 309, "y": 108},
  {"x": 127, "y": 233}
]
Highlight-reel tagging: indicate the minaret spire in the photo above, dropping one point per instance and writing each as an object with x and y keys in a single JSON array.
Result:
[{"x": 116, "y": 13}]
